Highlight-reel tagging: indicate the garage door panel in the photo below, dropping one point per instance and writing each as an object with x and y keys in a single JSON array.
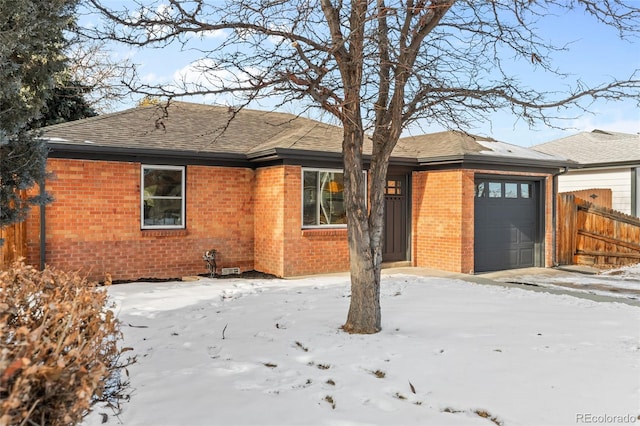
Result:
[
  {"x": 526, "y": 234},
  {"x": 499, "y": 258},
  {"x": 526, "y": 256},
  {"x": 505, "y": 224},
  {"x": 495, "y": 237}
]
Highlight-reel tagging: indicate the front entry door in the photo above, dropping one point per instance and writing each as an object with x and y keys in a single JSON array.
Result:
[{"x": 395, "y": 225}]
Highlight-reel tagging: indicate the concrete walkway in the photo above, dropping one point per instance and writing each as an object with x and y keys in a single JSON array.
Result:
[{"x": 517, "y": 278}]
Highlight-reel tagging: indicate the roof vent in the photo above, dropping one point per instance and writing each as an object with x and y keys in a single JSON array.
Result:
[{"x": 602, "y": 132}]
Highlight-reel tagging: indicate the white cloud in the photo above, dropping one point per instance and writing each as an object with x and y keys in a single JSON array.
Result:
[
  {"x": 205, "y": 75},
  {"x": 613, "y": 124},
  {"x": 213, "y": 34}
]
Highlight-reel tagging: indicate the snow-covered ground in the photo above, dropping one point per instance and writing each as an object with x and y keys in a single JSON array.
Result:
[{"x": 271, "y": 352}]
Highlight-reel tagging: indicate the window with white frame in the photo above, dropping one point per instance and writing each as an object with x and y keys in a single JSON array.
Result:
[
  {"x": 162, "y": 197},
  {"x": 323, "y": 198}
]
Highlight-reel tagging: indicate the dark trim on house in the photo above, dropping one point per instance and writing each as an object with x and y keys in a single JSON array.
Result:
[
  {"x": 152, "y": 156},
  {"x": 487, "y": 160},
  {"x": 322, "y": 159},
  {"x": 540, "y": 245},
  {"x": 298, "y": 157},
  {"x": 625, "y": 163},
  {"x": 43, "y": 227},
  {"x": 493, "y": 167}
]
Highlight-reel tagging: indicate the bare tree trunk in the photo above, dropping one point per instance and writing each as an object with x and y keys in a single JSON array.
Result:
[{"x": 364, "y": 311}]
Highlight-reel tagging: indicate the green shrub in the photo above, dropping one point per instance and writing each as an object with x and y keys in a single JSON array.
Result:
[{"x": 58, "y": 346}]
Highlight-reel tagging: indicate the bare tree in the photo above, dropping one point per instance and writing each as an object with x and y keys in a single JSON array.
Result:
[
  {"x": 377, "y": 66},
  {"x": 99, "y": 70}
]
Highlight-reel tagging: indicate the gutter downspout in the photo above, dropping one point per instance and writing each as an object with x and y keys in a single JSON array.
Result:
[
  {"x": 554, "y": 204},
  {"x": 43, "y": 228},
  {"x": 635, "y": 178}
]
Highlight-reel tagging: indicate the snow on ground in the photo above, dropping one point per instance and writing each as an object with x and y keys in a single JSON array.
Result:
[{"x": 271, "y": 352}]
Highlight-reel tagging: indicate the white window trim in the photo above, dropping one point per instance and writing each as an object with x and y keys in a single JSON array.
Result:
[
  {"x": 313, "y": 169},
  {"x": 182, "y": 203}
]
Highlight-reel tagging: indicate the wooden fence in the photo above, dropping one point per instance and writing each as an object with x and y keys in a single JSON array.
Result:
[
  {"x": 602, "y": 197},
  {"x": 15, "y": 244},
  {"x": 592, "y": 235}
]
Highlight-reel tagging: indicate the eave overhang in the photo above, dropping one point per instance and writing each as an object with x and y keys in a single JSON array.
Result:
[
  {"x": 499, "y": 162},
  {"x": 289, "y": 156},
  {"x": 146, "y": 155},
  {"x": 607, "y": 164}
]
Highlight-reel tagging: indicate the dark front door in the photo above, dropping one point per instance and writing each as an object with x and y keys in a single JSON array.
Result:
[
  {"x": 507, "y": 224},
  {"x": 395, "y": 225}
]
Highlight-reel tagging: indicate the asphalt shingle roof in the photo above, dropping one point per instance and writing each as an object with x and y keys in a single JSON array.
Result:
[
  {"x": 198, "y": 128},
  {"x": 210, "y": 129},
  {"x": 596, "y": 147}
]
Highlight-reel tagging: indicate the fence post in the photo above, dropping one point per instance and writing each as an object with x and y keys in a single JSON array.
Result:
[
  {"x": 15, "y": 243},
  {"x": 566, "y": 232}
]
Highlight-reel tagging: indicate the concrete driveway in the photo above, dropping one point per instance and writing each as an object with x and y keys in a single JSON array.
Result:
[{"x": 578, "y": 281}]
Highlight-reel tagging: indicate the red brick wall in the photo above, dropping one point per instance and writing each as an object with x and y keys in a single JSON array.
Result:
[
  {"x": 253, "y": 219},
  {"x": 93, "y": 225},
  {"x": 310, "y": 251},
  {"x": 441, "y": 221},
  {"x": 269, "y": 220},
  {"x": 283, "y": 248}
]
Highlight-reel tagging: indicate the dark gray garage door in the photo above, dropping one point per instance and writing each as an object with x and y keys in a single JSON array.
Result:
[{"x": 506, "y": 224}]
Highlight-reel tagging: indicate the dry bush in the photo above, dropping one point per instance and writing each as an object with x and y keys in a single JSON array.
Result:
[{"x": 58, "y": 347}]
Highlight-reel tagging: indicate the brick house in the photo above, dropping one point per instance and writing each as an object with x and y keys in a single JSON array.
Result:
[{"x": 144, "y": 192}]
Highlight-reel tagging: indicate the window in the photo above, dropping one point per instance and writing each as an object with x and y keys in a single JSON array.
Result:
[
  {"x": 495, "y": 190},
  {"x": 504, "y": 190},
  {"x": 394, "y": 187},
  {"x": 510, "y": 190},
  {"x": 323, "y": 198},
  {"x": 162, "y": 197}
]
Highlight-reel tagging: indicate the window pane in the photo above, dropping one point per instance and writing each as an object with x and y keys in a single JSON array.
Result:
[
  {"x": 511, "y": 190},
  {"x": 332, "y": 209},
  {"x": 162, "y": 183},
  {"x": 162, "y": 211},
  {"x": 310, "y": 198},
  {"x": 480, "y": 190},
  {"x": 525, "y": 190},
  {"x": 495, "y": 190}
]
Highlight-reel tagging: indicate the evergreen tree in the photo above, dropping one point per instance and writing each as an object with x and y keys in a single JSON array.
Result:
[
  {"x": 67, "y": 103},
  {"x": 32, "y": 42}
]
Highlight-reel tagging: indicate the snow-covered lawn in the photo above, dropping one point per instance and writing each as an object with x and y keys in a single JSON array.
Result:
[{"x": 271, "y": 352}]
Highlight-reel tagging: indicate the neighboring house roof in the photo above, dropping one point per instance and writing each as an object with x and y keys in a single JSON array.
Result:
[
  {"x": 596, "y": 148},
  {"x": 188, "y": 129}
]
